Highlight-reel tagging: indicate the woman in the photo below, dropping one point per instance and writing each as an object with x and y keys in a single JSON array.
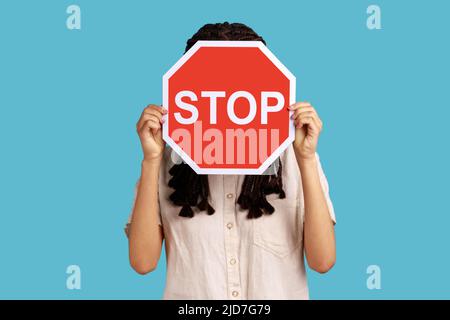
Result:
[{"x": 232, "y": 237}]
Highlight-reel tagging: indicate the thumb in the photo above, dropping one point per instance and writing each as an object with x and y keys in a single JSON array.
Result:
[
  {"x": 300, "y": 132},
  {"x": 157, "y": 134}
]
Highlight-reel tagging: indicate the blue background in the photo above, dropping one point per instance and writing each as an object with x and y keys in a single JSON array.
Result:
[{"x": 70, "y": 156}]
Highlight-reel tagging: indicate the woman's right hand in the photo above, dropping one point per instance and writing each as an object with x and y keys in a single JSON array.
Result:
[{"x": 149, "y": 131}]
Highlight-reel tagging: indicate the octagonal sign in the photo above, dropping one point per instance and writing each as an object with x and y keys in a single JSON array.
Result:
[{"x": 227, "y": 105}]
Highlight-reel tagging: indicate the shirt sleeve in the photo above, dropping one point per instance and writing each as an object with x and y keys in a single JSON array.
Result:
[
  {"x": 325, "y": 189},
  {"x": 130, "y": 216}
]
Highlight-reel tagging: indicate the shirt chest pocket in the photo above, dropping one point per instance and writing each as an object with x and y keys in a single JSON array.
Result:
[{"x": 280, "y": 233}]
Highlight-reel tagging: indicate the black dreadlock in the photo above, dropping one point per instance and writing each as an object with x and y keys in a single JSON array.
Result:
[{"x": 191, "y": 189}]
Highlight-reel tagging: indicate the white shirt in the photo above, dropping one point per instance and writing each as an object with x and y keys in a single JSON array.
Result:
[{"x": 226, "y": 255}]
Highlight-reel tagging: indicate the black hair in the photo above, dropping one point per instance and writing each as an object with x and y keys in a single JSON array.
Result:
[{"x": 191, "y": 190}]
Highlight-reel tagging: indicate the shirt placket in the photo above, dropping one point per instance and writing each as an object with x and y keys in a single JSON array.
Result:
[{"x": 231, "y": 239}]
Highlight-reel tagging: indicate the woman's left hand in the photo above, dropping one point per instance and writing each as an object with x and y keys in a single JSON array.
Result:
[{"x": 307, "y": 129}]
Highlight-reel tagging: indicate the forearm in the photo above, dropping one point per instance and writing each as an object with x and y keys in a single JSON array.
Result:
[
  {"x": 145, "y": 235},
  {"x": 319, "y": 240}
]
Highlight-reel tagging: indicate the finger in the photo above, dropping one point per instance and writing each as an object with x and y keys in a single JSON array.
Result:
[
  {"x": 155, "y": 127},
  {"x": 313, "y": 129},
  {"x": 144, "y": 117},
  {"x": 154, "y": 113},
  {"x": 311, "y": 114},
  {"x": 309, "y": 110},
  {"x": 314, "y": 120},
  {"x": 148, "y": 117},
  {"x": 308, "y": 113},
  {"x": 152, "y": 109},
  {"x": 156, "y": 108},
  {"x": 299, "y": 122},
  {"x": 302, "y": 112},
  {"x": 151, "y": 125},
  {"x": 304, "y": 109},
  {"x": 157, "y": 133},
  {"x": 299, "y": 105},
  {"x": 318, "y": 122}
]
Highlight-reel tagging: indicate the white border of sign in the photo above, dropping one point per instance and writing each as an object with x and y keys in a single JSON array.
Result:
[{"x": 275, "y": 61}]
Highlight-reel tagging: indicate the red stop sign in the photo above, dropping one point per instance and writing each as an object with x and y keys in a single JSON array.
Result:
[{"x": 227, "y": 107}]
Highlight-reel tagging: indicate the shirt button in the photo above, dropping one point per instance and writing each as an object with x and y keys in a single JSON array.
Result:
[
  {"x": 229, "y": 225},
  {"x": 233, "y": 261},
  {"x": 235, "y": 293},
  {"x": 229, "y": 195}
]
